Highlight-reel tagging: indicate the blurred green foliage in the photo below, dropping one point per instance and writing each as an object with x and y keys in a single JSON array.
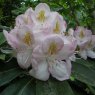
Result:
[{"x": 75, "y": 12}]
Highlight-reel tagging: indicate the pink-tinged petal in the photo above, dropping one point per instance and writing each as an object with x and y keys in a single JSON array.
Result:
[
  {"x": 40, "y": 71},
  {"x": 42, "y": 6},
  {"x": 52, "y": 39},
  {"x": 42, "y": 12},
  {"x": 60, "y": 70},
  {"x": 83, "y": 54},
  {"x": 91, "y": 54},
  {"x": 26, "y": 37},
  {"x": 29, "y": 11},
  {"x": 68, "y": 48},
  {"x": 38, "y": 53},
  {"x": 24, "y": 58},
  {"x": 29, "y": 14},
  {"x": 25, "y": 19},
  {"x": 41, "y": 33},
  {"x": 11, "y": 39},
  {"x": 83, "y": 45},
  {"x": 82, "y": 34},
  {"x": 57, "y": 23},
  {"x": 20, "y": 20}
]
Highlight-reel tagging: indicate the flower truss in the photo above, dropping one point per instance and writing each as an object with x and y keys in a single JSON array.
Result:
[
  {"x": 40, "y": 42},
  {"x": 85, "y": 42}
]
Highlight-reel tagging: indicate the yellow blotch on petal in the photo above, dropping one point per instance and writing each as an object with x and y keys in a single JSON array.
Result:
[
  {"x": 27, "y": 38},
  {"x": 41, "y": 16},
  {"x": 52, "y": 48},
  {"x": 25, "y": 19},
  {"x": 81, "y": 35},
  {"x": 57, "y": 28}
]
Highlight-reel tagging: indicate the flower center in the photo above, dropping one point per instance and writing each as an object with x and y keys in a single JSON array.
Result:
[
  {"x": 57, "y": 28},
  {"x": 41, "y": 16},
  {"x": 81, "y": 35},
  {"x": 27, "y": 39},
  {"x": 52, "y": 48}
]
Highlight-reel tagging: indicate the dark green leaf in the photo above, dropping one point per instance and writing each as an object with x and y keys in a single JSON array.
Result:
[
  {"x": 24, "y": 86},
  {"x": 2, "y": 38},
  {"x": 83, "y": 73},
  {"x": 2, "y": 56},
  {"x": 53, "y": 87},
  {"x": 92, "y": 89},
  {"x": 8, "y": 75}
]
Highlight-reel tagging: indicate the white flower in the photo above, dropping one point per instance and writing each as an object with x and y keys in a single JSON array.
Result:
[
  {"x": 85, "y": 42},
  {"x": 50, "y": 54},
  {"x": 39, "y": 41},
  {"x": 22, "y": 40}
]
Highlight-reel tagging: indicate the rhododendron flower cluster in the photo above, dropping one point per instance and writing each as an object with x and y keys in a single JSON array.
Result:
[
  {"x": 85, "y": 41},
  {"x": 40, "y": 43}
]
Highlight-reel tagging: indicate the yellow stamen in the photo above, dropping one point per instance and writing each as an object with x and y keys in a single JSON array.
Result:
[
  {"x": 57, "y": 28},
  {"x": 41, "y": 16},
  {"x": 52, "y": 49},
  {"x": 27, "y": 38},
  {"x": 81, "y": 35}
]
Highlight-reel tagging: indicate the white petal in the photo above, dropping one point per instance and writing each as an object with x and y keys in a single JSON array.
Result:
[
  {"x": 25, "y": 19},
  {"x": 29, "y": 16},
  {"x": 57, "y": 19},
  {"x": 68, "y": 48},
  {"x": 60, "y": 70},
  {"x": 29, "y": 11},
  {"x": 38, "y": 53},
  {"x": 40, "y": 71},
  {"x": 71, "y": 32},
  {"x": 42, "y": 6},
  {"x": 25, "y": 32},
  {"x": 91, "y": 54},
  {"x": 24, "y": 58},
  {"x": 82, "y": 34},
  {"x": 54, "y": 38},
  {"x": 73, "y": 58},
  {"x": 11, "y": 39},
  {"x": 20, "y": 20},
  {"x": 83, "y": 54}
]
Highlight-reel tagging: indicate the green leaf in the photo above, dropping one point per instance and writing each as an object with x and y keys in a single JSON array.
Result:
[
  {"x": 9, "y": 75},
  {"x": 6, "y": 51},
  {"x": 2, "y": 56},
  {"x": 88, "y": 63},
  {"x": 53, "y": 87},
  {"x": 83, "y": 72},
  {"x": 92, "y": 89},
  {"x": 4, "y": 27},
  {"x": 23, "y": 86},
  {"x": 9, "y": 71},
  {"x": 2, "y": 38},
  {"x": 8, "y": 65}
]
